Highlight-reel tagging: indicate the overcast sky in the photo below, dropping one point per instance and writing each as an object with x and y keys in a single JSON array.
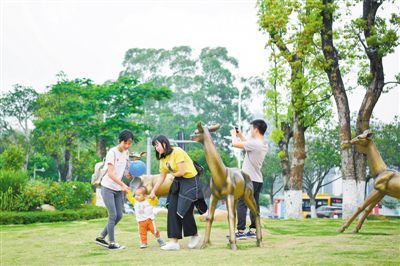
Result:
[{"x": 89, "y": 39}]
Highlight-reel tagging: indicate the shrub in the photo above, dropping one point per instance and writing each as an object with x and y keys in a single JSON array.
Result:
[
  {"x": 86, "y": 212},
  {"x": 7, "y": 200},
  {"x": 12, "y": 158},
  {"x": 69, "y": 195},
  {"x": 264, "y": 200},
  {"x": 32, "y": 196},
  {"x": 16, "y": 180}
]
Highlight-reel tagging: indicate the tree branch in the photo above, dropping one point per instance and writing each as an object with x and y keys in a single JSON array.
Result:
[
  {"x": 359, "y": 38},
  {"x": 320, "y": 100},
  {"x": 276, "y": 192},
  {"x": 331, "y": 181},
  {"x": 391, "y": 82}
]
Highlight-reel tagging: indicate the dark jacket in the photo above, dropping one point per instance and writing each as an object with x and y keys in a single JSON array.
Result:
[{"x": 189, "y": 191}]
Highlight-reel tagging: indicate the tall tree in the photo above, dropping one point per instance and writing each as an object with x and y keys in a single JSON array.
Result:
[
  {"x": 203, "y": 87},
  {"x": 175, "y": 69},
  {"x": 276, "y": 110},
  {"x": 77, "y": 110},
  {"x": 378, "y": 41},
  {"x": 291, "y": 26},
  {"x": 19, "y": 104}
]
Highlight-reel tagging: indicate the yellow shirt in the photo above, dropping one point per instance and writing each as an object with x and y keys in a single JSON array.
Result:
[
  {"x": 132, "y": 200},
  {"x": 170, "y": 163}
]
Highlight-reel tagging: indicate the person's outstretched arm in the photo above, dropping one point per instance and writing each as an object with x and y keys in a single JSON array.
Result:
[
  {"x": 160, "y": 180},
  {"x": 235, "y": 142}
]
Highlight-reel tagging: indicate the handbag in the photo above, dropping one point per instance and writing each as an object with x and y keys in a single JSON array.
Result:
[{"x": 199, "y": 168}]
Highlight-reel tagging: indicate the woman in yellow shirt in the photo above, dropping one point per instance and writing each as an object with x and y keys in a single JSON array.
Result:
[{"x": 184, "y": 191}]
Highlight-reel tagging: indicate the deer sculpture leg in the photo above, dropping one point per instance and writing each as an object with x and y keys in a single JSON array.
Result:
[
  {"x": 252, "y": 205},
  {"x": 367, "y": 212},
  {"x": 209, "y": 219},
  {"x": 235, "y": 212},
  {"x": 230, "y": 200},
  {"x": 371, "y": 198}
]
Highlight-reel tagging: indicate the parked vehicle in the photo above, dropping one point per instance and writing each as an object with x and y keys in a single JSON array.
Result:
[{"x": 328, "y": 212}]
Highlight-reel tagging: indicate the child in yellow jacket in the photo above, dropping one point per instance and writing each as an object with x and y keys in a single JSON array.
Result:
[{"x": 144, "y": 215}]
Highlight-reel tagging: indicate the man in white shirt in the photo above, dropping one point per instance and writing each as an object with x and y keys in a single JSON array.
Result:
[{"x": 256, "y": 150}]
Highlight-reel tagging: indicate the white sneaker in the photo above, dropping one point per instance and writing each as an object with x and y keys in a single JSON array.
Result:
[
  {"x": 171, "y": 246},
  {"x": 194, "y": 241}
]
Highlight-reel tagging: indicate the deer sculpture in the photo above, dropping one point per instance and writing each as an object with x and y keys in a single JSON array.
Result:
[
  {"x": 148, "y": 181},
  {"x": 227, "y": 183},
  {"x": 387, "y": 181}
]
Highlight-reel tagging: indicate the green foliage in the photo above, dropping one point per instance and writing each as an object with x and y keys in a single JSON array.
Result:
[
  {"x": 85, "y": 212},
  {"x": 19, "y": 104},
  {"x": 282, "y": 154},
  {"x": 385, "y": 136},
  {"x": 16, "y": 180},
  {"x": 7, "y": 200},
  {"x": 264, "y": 200},
  {"x": 12, "y": 158},
  {"x": 69, "y": 195},
  {"x": 276, "y": 135},
  {"x": 40, "y": 160},
  {"x": 32, "y": 196},
  {"x": 83, "y": 167},
  {"x": 323, "y": 154},
  {"x": 197, "y": 154},
  {"x": 272, "y": 174},
  {"x": 79, "y": 112},
  {"x": 203, "y": 89}
]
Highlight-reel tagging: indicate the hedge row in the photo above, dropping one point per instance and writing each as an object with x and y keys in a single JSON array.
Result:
[{"x": 86, "y": 212}]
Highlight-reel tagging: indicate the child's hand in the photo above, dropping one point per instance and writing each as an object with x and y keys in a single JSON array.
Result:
[{"x": 152, "y": 195}]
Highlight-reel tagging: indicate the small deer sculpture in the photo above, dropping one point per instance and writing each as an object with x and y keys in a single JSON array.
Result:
[{"x": 387, "y": 181}]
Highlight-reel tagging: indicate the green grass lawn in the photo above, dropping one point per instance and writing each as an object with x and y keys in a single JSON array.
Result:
[{"x": 286, "y": 242}]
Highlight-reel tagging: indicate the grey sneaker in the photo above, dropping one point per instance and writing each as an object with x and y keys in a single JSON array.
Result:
[
  {"x": 160, "y": 242},
  {"x": 142, "y": 246}
]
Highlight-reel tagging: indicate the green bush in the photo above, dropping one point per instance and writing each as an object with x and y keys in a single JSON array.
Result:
[
  {"x": 69, "y": 195},
  {"x": 7, "y": 200},
  {"x": 32, "y": 196},
  {"x": 16, "y": 180},
  {"x": 12, "y": 158},
  {"x": 264, "y": 200},
  {"x": 86, "y": 212}
]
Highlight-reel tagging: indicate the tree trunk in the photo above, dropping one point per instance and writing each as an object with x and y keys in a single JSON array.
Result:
[
  {"x": 350, "y": 191},
  {"x": 27, "y": 145},
  {"x": 284, "y": 153},
  {"x": 101, "y": 147},
  {"x": 27, "y": 156},
  {"x": 69, "y": 173},
  {"x": 64, "y": 169},
  {"x": 271, "y": 194},
  {"x": 313, "y": 204},
  {"x": 374, "y": 91},
  {"x": 293, "y": 196}
]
